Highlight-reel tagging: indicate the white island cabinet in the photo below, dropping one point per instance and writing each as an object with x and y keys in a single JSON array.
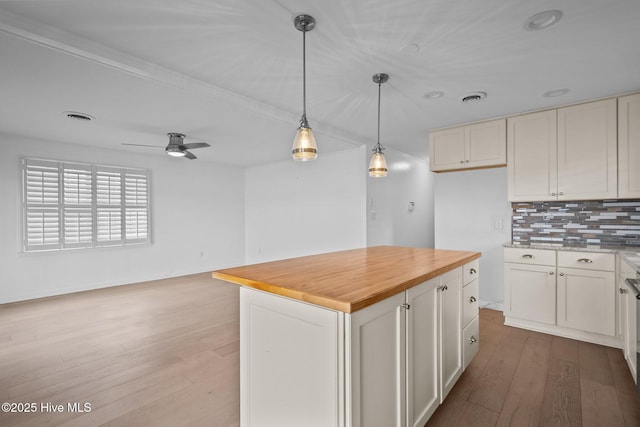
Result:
[{"x": 363, "y": 338}]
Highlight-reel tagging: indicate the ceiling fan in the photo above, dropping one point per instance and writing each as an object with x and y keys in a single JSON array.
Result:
[{"x": 176, "y": 147}]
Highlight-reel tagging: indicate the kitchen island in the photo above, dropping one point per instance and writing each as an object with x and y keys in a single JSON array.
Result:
[{"x": 365, "y": 337}]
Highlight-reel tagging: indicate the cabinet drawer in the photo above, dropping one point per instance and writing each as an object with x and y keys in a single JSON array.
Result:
[
  {"x": 470, "y": 302},
  {"x": 587, "y": 260},
  {"x": 530, "y": 256},
  {"x": 471, "y": 272},
  {"x": 470, "y": 341}
]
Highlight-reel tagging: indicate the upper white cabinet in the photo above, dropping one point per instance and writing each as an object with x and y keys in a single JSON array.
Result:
[
  {"x": 479, "y": 145},
  {"x": 587, "y": 151},
  {"x": 629, "y": 146},
  {"x": 564, "y": 154},
  {"x": 533, "y": 158}
]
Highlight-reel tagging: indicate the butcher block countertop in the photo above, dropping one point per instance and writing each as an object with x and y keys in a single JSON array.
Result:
[{"x": 349, "y": 280}]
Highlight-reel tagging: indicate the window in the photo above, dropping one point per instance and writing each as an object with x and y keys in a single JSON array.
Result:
[{"x": 74, "y": 205}]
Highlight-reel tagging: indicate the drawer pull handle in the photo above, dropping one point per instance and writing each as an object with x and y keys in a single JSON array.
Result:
[
  {"x": 472, "y": 339},
  {"x": 472, "y": 300},
  {"x": 562, "y": 274},
  {"x": 472, "y": 271},
  {"x": 527, "y": 256},
  {"x": 443, "y": 288},
  {"x": 585, "y": 260}
]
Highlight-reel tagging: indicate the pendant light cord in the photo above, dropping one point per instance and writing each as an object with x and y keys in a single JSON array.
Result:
[
  {"x": 303, "y": 120},
  {"x": 379, "y": 91}
]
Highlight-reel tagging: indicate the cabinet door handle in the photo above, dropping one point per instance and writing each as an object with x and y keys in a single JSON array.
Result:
[
  {"x": 553, "y": 194},
  {"x": 472, "y": 339},
  {"x": 561, "y": 194},
  {"x": 405, "y": 306},
  {"x": 472, "y": 300},
  {"x": 472, "y": 271},
  {"x": 527, "y": 256},
  {"x": 466, "y": 161},
  {"x": 585, "y": 260},
  {"x": 622, "y": 291},
  {"x": 562, "y": 274},
  {"x": 461, "y": 161},
  {"x": 551, "y": 273},
  {"x": 443, "y": 287}
]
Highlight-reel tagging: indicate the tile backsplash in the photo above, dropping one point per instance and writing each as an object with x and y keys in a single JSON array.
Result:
[{"x": 581, "y": 223}]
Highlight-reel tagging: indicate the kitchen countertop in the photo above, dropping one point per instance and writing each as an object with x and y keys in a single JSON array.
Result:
[
  {"x": 631, "y": 254},
  {"x": 349, "y": 280}
]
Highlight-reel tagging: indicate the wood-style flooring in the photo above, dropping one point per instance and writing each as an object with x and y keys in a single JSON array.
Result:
[{"x": 165, "y": 353}]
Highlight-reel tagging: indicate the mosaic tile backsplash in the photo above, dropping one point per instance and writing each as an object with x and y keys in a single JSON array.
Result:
[{"x": 582, "y": 223}]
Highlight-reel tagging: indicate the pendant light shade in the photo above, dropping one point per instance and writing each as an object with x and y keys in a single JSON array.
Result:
[
  {"x": 304, "y": 144},
  {"x": 378, "y": 164}
]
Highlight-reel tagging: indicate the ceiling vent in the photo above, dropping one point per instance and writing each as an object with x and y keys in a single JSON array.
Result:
[
  {"x": 472, "y": 98},
  {"x": 74, "y": 115}
]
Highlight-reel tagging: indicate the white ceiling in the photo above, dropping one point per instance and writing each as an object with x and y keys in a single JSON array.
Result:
[{"x": 229, "y": 72}]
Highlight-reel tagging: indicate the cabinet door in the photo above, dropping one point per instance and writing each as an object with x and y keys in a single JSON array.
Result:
[
  {"x": 378, "y": 364},
  {"x": 486, "y": 144},
  {"x": 530, "y": 292},
  {"x": 289, "y": 372},
  {"x": 422, "y": 352},
  {"x": 532, "y": 157},
  {"x": 450, "y": 330},
  {"x": 630, "y": 338},
  {"x": 587, "y": 151},
  {"x": 446, "y": 149},
  {"x": 587, "y": 300},
  {"x": 629, "y": 146}
]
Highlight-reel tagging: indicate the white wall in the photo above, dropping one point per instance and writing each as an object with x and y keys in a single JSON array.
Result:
[
  {"x": 197, "y": 224},
  {"x": 470, "y": 207},
  {"x": 389, "y": 220},
  {"x": 303, "y": 208}
]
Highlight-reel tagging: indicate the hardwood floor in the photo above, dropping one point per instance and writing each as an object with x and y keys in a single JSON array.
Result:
[
  {"x": 165, "y": 353},
  {"x": 525, "y": 378},
  {"x": 162, "y": 353}
]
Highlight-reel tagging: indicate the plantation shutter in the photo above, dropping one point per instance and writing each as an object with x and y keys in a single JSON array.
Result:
[
  {"x": 41, "y": 183},
  {"x": 136, "y": 184},
  {"x": 77, "y": 205},
  {"x": 109, "y": 206}
]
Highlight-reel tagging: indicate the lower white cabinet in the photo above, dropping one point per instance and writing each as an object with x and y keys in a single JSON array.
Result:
[
  {"x": 450, "y": 330},
  {"x": 566, "y": 293},
  {"x": 530, "y": 292},
  {"x": 628, "y": 318},
  {"x": 389, "y": 364},
  {"x": 587, "y": 300}
]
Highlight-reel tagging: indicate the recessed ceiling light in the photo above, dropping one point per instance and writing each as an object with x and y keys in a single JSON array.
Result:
[
  {"x": 434, "y": 94},
  {"x": 555, "y": 92},
  {"x": 78, "y": 116},
  {"x": 542, "y": 20},
  {"x": 473, "y": 97}
]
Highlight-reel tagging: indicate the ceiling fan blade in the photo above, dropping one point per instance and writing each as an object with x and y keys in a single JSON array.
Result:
[
  {"x": 143, "y": 145},
  {"x": 196, "y": 145},
  {"x": 189, "y": 155}
]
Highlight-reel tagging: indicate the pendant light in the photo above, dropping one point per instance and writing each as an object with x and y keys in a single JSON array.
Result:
[
  {"x": 304, "y": 144},
  {"x": 378, "y": 164}
]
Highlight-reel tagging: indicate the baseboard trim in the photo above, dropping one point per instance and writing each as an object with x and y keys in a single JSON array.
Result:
[{"x": 564, "y": 332}]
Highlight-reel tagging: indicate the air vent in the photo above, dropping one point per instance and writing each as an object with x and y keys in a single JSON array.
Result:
[
  {"x": 78, "y": 116},
  {"x": 474, "y": 97}
]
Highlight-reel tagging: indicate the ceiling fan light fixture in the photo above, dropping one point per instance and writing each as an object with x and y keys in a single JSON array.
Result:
[
  {"x": 378, "y": 164},
  {"x": 174, "y": 151},
  {"x": 304, "y": 144}
]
